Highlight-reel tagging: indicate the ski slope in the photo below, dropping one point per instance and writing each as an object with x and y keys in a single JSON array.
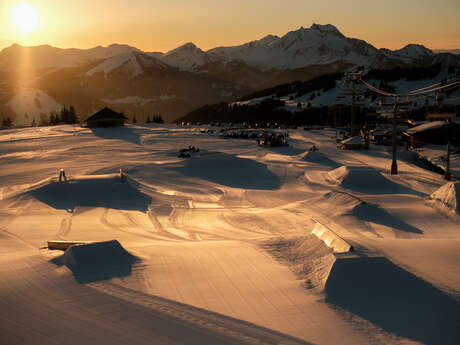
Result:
[{"x": 218, "y": 248}]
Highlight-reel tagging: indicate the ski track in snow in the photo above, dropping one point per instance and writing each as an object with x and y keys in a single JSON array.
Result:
[{"x": 203, "y": 273}]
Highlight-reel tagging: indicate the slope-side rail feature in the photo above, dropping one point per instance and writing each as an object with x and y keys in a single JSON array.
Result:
[{"x": 330, "y": 238}]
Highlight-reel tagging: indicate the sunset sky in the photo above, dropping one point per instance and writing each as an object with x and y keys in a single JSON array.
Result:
[{"x": 158, "y": 25}]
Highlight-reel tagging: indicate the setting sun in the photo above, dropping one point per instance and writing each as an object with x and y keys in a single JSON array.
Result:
[{"x": 25, "y": 17}]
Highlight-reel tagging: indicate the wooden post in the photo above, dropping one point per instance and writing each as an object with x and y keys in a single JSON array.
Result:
[
  {"x": 353, "y": 114},
  {"x": 447, "y": 175},
  {"x": 62, "y": 176}
]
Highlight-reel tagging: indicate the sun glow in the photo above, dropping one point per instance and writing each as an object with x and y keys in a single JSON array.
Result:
[{"x": 25, "y": 17}]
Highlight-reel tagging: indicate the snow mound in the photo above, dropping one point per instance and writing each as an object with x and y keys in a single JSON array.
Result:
[
  {"x": 448, "y": 197},
  {"x": 393, "y": 299},
  {"x": 307, "y": 256},
  {"x": 98, "y": 261},
  {"x": 318, "y": 158},
  {"x": 362, "y": 179},
  {"x": 341, "y": 200},
  {"x": 274, "y": 157},
  {"x": 229, "y": 170},
  {"x": 92, "y": 191},
  {"x": 89, "y": 257}
]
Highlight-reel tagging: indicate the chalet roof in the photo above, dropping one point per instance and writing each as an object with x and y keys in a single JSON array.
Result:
[
  {"x": 358, "y": 140},
  {"x": 441, "y": 109},
  {"x": 427, "y": 126},
  {"x": 106, "y": 114}
]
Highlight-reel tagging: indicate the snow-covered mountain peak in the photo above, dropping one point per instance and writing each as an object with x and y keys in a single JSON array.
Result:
[
  {"x": 268, "y": 39},
  {"x": 187, "y": 57},
  {"x": 326, "y": 28},
  {"x": 185, "y": 48},
  {"x": 317, "y": 34},
  {"x": 46, "y": 56},
  {"x": 414, "y": 51},
  {"x": 132, "y": 63},
  {"x": 318, "y": 44}
]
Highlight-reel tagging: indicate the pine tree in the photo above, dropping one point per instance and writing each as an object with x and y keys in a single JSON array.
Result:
[
  {"x": 7, "y": 123},
  {"x": 52, "y": 120},
  {"x": 73, "y": 118},
  {"x": 134, "y": 119},
  {"x": 64, "y": 115},
  {"x": 157, "y": 118}
]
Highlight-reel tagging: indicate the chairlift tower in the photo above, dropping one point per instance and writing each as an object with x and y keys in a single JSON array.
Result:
[
  {"x": 394, "y": 162},
  {"x": 396, "y": 107},
  {"x": 422, "y": 92},
  {"x": 447, "y": 174},
  {"x": 353, "y": 78}
]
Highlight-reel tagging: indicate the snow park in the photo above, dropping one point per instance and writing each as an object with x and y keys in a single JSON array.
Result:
[{"x": 302, "y": 188}]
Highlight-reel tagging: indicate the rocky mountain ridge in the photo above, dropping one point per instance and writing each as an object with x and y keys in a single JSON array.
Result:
[{"x": 173, "y": 83}]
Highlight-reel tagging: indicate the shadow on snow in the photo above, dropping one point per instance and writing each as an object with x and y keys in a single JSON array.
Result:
[
  {"x": 374, "y": 214},
  {"x": 394, "y": 299},
  {"x": 108, "y": 193},
  {"x": 120, "y": 133},
  {"x": 230, "y": 171},
  {"x": 97, "y": 261}
]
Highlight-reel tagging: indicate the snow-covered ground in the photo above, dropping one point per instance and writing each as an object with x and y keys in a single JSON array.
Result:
[
  {"x": 220, "y": 245},
  {"x": 437, "y": 155}
]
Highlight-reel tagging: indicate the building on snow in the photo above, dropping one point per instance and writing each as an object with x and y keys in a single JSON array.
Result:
[
  {"x": 433, "y": 133},
  {"x": 106, "y": 118}
]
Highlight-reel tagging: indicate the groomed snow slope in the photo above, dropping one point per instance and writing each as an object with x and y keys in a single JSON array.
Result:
[
  {"x": 363, "y": 179},
  {"x": 200, "y": 229}
]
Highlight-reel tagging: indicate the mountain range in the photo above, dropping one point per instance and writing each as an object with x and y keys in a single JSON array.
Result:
[{"x": 37, "y": 80}]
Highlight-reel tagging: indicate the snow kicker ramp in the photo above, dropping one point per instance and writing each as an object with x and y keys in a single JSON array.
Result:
[
  {"x": 365, "y": 180},
  {"x": 92, "y": 191},
  {"x": 319, "y": 158},
  {"x": 447, "y": 198},
  {"x": 229, "y": 170},
  {"x": 331, "y": 239},
  {"x": 98, "y": 261},
  {"x": 393, "y": 299}
]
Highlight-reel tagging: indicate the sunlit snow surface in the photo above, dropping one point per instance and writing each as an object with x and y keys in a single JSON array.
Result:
[{"x": 217, "y": 248}]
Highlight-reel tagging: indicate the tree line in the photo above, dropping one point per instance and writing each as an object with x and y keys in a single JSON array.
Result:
[
  {"x": 154, "y": 119},
  {"x": 64, "y": 116}
]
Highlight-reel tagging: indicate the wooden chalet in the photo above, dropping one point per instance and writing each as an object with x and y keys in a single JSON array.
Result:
[
  {"x": 106, "y": 118},
  {"x": 441, "y": 113},
  {"x": 433, "y": 133},
  {"x": 353, "y": 143}
]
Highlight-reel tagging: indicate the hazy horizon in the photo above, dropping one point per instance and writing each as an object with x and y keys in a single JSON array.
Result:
[
  {"x": 221, "y": 45},
  {"x": 154, "y": 26}
]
